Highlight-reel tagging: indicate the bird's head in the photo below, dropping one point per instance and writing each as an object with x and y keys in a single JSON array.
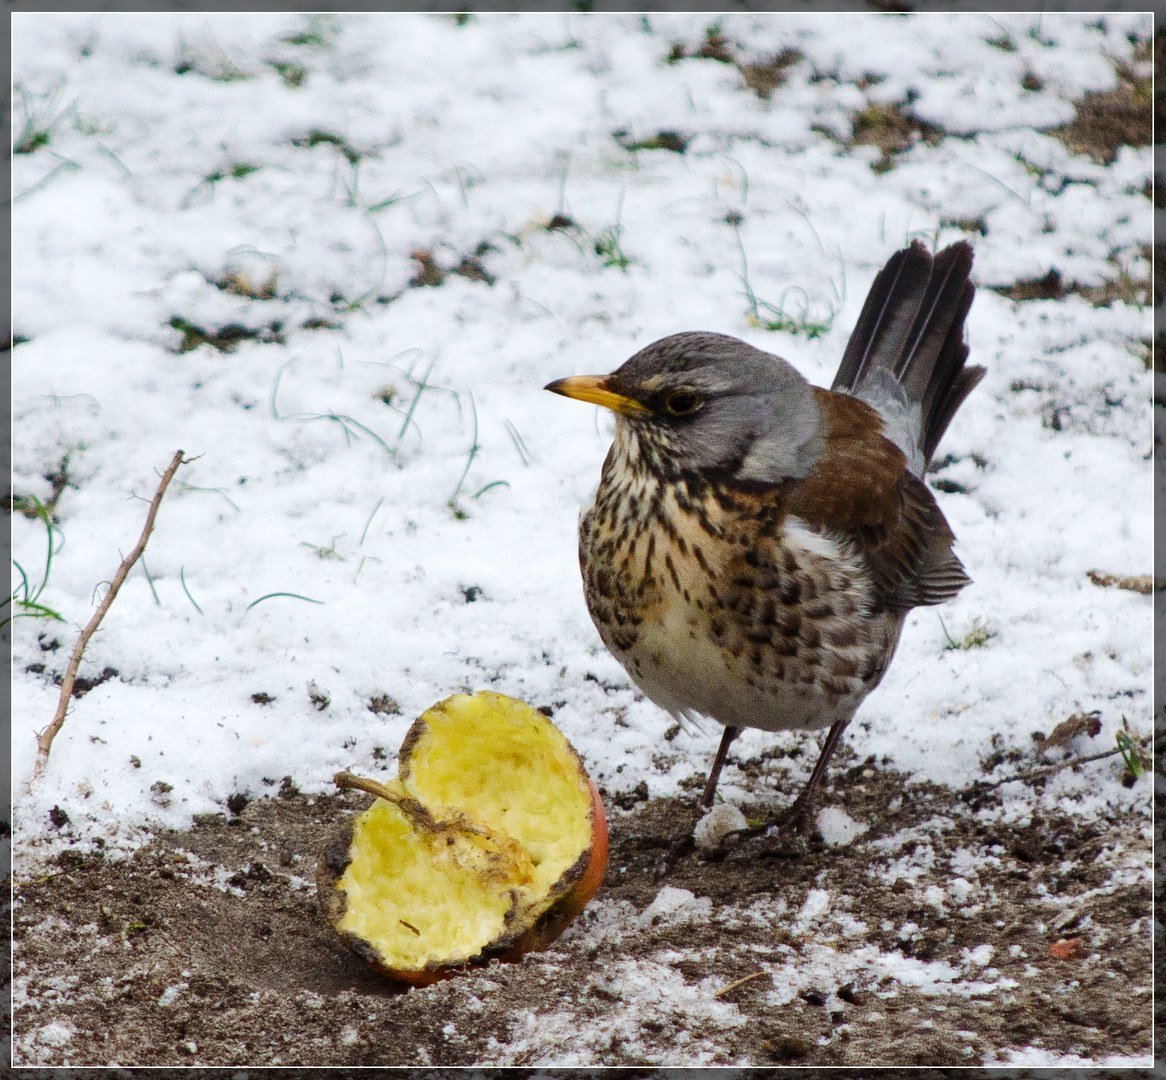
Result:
[{"x": 709, "y": 402}]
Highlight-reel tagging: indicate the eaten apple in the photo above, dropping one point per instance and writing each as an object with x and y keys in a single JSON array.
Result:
[{"x": 487, "y": 845}]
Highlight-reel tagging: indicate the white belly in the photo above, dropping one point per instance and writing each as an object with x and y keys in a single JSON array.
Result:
[{"x": 683, "y": 671}]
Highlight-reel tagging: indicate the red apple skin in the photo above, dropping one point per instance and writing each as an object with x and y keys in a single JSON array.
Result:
[
  {"x": 418, "y": 978},
  {"x": 549, "y": 925}
]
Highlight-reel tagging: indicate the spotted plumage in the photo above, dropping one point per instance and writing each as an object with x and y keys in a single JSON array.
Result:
[{"x": 756, "y": 542}]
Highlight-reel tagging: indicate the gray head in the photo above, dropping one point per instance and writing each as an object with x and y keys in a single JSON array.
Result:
[{"x": 712, "y": 402}]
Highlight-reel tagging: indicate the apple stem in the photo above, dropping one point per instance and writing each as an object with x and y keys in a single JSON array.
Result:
[{"x": 373, "y": 787}]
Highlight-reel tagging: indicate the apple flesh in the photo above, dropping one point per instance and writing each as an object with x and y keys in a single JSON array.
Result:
[{"x": 488, "y": 845}]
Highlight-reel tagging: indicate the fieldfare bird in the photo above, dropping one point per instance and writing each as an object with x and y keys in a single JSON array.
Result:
[{"x": 756, "y": 542}]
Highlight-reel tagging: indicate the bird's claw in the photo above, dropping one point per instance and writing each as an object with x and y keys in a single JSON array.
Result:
[{"x": 795, "y": 823}]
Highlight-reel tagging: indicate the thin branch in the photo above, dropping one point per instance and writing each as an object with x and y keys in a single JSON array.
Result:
[
  {"x": 44, "y": 740},
  {"x": 740, "y": 982},
  {"x": 1037, "y": 774}
]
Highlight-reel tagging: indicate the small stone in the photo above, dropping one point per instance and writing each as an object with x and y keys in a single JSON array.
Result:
[{"x": 717, "y": 824}]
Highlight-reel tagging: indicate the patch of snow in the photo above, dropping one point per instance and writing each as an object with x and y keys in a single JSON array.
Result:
[
  {"x": 980, "y": 955},
  {"x": 837, "y": 827},
  {"x": 814, "y": 907},
  {"x": 960, "y": 889},
  {"x": 696, "y": 1022},
  {"x": 55, "y": 1033},
  {"x": 328, "y": 456},
  {"x": 171, "y": 994},
  {"x": 673, "y": 905}
]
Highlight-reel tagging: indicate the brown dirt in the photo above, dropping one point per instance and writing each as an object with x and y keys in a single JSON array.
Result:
[
  {"x": 147, "y": 962},
  {"x": 1123, "y": 116},
  {"x": 1123, "y": 287},
  {"x": 894, "y": 129}
]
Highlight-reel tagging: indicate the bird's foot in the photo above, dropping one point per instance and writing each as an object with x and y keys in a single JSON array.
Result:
[
  {"x": 797, "y": 819},
  {"x": 787, "y": 835}
]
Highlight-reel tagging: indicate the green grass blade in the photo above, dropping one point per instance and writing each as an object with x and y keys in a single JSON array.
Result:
[
  {"x": 211, "y": 491},
  {"x": 182, "y": 578},
  {"x": 146, "y": 571},
  {"x": 421, "y": 388},
  {"x": 517, "y": 440},
  {"x": 24, "y": 577},
  {"x": 369, "y": 522},
  {"x": 294, "y": 596},
  {"x": 37, "y": 611}
]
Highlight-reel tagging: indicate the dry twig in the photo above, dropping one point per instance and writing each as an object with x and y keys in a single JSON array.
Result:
[
  {"x": 1037, "y": 774},
  {"x": 44, "y": 740},
  {"x": 740, "y": 982}
]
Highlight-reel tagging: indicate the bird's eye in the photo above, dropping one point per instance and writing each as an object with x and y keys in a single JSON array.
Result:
[{"x": 682, "y": 402}]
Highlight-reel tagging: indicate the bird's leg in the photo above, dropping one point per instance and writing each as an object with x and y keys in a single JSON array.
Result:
[
  {"x": 793, "y": 819},
  {"x": 710, "y": 789},
  {"x": 798, "y": 813}
]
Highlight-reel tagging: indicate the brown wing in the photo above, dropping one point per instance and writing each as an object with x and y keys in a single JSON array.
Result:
[
  {"x": 910, "y": 557},
  {"x": 862, "y": 490}
]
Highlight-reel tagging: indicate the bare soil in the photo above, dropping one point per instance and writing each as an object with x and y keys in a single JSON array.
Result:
[{"x": 206, "y": 947}]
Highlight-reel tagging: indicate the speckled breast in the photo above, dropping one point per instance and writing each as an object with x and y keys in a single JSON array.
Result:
[{"x": 722, "y": 604}]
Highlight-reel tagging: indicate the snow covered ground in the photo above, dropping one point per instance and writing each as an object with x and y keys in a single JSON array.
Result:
[{"x": 335, "y": 260}]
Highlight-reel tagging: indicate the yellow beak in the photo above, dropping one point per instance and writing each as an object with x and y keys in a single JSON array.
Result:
[{"x": 593, "y": 388}]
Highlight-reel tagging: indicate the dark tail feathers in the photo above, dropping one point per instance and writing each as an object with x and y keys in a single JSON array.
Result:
[{"x": 912, "y": 325}]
